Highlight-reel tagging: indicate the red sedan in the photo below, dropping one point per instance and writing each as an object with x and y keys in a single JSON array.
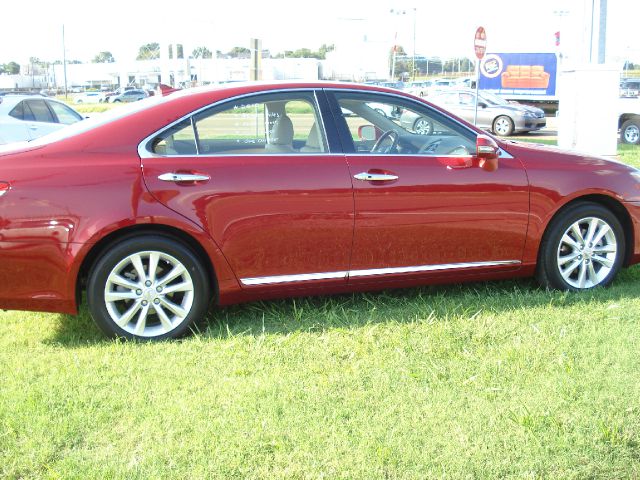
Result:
[{"x": 257, "y": 191}]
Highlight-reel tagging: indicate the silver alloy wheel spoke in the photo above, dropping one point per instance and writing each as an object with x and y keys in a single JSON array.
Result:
[
  {"x": 179, "y": 311},
  {"x": 587, "y": 252},
  {"x": 164, "y": 319},
  {"x": 117, "y": 295},
  {"x": 172, "y": 275},
  {"x": 136, "y": 260},
  {"x": 154, "y": 258},
  {"x": 142, "y": 320},
  {"x": 566, "y": 273},
  {"x": 567, "y": 239},
  {"x": 604, "y": 229},
  {"x": 603, "y": 261},
  {"x": 123, "y": 282},
  {"x": 128, "y": 315},
  {"x": 593, "y": 276},
  {"x": 180, "y": 287},
  {"x": 568, "y": 258},
  {"x": 149, "y": 293}
]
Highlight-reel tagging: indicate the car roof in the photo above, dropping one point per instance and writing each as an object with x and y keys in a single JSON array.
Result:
[{"x": 7, "y": 102}]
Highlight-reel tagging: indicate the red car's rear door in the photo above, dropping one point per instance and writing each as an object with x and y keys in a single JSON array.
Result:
[{"x": 258, "y": 175}]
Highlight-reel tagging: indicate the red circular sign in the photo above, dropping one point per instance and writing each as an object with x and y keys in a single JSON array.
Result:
[{"x": 480, "y": 43}]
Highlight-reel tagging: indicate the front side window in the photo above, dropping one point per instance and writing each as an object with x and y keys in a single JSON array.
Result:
[
  {"x": 260, "y": 124},
  {"x": 384, "y": 124}
]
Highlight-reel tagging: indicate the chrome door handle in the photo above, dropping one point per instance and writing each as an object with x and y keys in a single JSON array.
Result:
[
  {"x": 183, "y": 177},
  {"x": 375, "y": 177}
]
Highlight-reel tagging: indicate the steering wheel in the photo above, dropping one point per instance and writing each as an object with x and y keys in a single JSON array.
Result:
[{"x": 388, "y": 136}]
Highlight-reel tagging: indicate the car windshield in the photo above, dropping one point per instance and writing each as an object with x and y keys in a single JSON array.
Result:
[{"x": 492, "y": 99}]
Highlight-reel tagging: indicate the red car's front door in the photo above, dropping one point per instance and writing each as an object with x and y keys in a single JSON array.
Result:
[{"x": 420, "y": 207}]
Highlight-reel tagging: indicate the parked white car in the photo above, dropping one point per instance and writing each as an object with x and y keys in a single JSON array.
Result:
[
  {"x": 90, "y": 97},
  {"x": 26, "y": 117}
]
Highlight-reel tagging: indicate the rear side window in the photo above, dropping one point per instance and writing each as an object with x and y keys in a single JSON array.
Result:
[
  {"x": 22, "y": 112},
  {"x": 40, "y": 111},
  {"x": 278, "y": 123},
  {"x": 65, "y": 114}
]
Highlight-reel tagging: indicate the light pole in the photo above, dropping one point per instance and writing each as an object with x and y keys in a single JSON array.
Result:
[{"x": 413, "y": 62}]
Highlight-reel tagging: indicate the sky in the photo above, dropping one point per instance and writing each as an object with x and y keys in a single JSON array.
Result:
[{"x": 443, "y": 29}]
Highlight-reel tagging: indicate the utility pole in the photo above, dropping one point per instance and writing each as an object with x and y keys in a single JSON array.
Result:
[
  {"x": 64, "y": 63},
  {"x": 413, "y": 63}
]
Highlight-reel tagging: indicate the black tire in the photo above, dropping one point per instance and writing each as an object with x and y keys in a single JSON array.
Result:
[
  {"x": 423, "y": 126},
  {"x": 503, "y": 126},
  {"x": 583, "y": 262},
  {"x": 630, "y": 132},
  {"x": 167, "y": 314}
]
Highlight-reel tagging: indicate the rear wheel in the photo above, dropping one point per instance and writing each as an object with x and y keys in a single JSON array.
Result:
[
  {"x": 630, "y": 131},
  {"x": 503, "y": 126},
  {"x": 423, "y": 126},
  {"x": 148, "y": 288},
  {"x": 582, "y": 248}
]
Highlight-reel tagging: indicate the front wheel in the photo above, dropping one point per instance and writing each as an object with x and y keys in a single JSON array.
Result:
[
  {"x": 582, "y": 248},
  {"x": 503, "y": 126},
  {"x": 147, "y": 288}
]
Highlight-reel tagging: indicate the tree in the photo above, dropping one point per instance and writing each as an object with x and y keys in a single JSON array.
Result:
[
  {"x": 149, "y": 51},
  {"x": 201, "y": 52},
  {"x": 104, "y": 57},
  {"x": 239, "y": 52},
  {"x": 321, "y": 54},
  {"x": 11, "y": 68}
]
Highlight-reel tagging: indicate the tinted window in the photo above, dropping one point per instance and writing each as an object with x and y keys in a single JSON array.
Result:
[
  {"x": 263, "y": 124},
  {"x": 65, "y": 114},
  {"x": 18, "y": 111},
  {"x": 40, "y": 111},
  {"x": 384, "y": 124}
]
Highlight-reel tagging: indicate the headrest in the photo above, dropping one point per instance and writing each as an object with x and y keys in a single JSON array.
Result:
[{"x": 282, "y": 131}]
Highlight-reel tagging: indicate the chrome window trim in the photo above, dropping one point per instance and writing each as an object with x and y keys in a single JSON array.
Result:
[
  {"x": 304, "y": 277},
  {"x": 144, "y": 153}
]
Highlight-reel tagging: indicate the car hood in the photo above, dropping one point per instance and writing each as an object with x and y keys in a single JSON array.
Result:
[
  {"x": 519, "y": 109},
  {"x": 527, "y": 151}
]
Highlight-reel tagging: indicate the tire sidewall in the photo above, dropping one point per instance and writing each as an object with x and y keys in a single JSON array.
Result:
[
  {"x": 548, "y": 271},
  {"x": 117, "y": 252}
]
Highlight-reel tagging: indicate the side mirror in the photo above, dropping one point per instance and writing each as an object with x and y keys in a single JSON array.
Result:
[
  {"x": 482, "y": 104},
  {"x": 487, "y": 153},
  {"x": 367, "y": 132}
]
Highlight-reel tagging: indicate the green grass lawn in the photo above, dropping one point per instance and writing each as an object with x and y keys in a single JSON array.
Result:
[{"x": 483, "y": 380}]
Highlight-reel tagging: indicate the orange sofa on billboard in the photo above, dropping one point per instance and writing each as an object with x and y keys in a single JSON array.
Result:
[{"x": 525, "y": 76}]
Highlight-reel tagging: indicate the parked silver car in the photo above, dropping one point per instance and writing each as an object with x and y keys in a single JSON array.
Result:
[
  {"x": 494, "y": 113},
  {"x": 26, "y": 117},
  {"x": 129, "y": 96}
]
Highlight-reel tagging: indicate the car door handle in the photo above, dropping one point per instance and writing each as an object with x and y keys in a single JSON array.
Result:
[
  {"x": 375, "y": 177},
  {"x": 183, "y": 177}
]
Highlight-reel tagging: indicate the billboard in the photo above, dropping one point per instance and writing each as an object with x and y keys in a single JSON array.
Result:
[{"x": 519, "y": 74}]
